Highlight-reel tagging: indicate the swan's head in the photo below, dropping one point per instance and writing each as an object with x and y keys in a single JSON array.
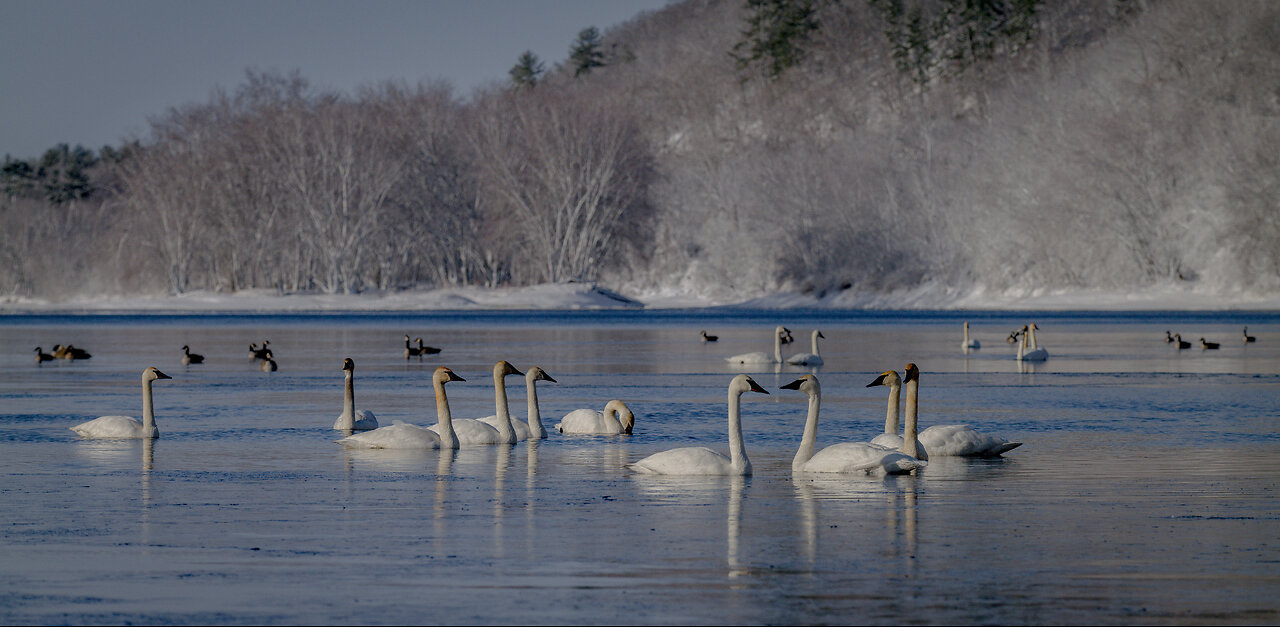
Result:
[
  {"x": 912, "y": 372},
  {"x": 888, "y": 377},
  {"x": 502, "y": 369},
  {"x": 348, "y": 365},
  {"x": 444, "y": 375},
  {"x": 538, "y": 374},
  {"x": 807, "y": 384},
  {"x": 625, "y": 417},
  {"x": 743, "y": 383},
  {"x": 151, "y": 374}
]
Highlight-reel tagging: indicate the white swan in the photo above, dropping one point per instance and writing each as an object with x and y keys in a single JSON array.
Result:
[
  {"x": 470, "y": 431},
  {"x": 403, "y": 435},
  {"x": 890, "y": 438},
  {"x": 761, "y": 357},
  {"x": 533, "y": 428},
  {"x": 845, "y": 457},
  {"x": 1038, "y": 354},
  {"x": 809, "y": 359},
  {"x": 616, "y": 419},
  {"x": 943, "y": 440},
  {"x": 968, "y": 343},
  {"x": 127, "y": 426},
  {"x": 352, "y": 419},
  {"x": 697, "y": 460}
]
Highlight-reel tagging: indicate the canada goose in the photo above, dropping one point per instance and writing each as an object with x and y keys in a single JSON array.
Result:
[
  {"x": 1013, "y": 337},
  {"x": 1246, "y": 337},
  {"x": 709, "y": 338},
  {"x": 268, "y": 364},
  {"x": 260, "y": 353},
  {"x": 1179, "y": 342},
  {"x": 1168, "y": 337},
  {"x": 1208, "y": 345},
  {"x": 698, "y": 460},
  {"x": 426, "y": 350},
  {"x": 409, "y": 350},
  {"x": 75, "y": 353},
  {"x": 60, "y": 351},
  {"x": 190, "y": 358},
  {"x": 42, "y": 356}
]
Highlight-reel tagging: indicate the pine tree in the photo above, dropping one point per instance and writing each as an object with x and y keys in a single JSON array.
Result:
[
  {"x": 585, "y": 52},
  {"x": 528, "y": 70},
  {"x": 776, "y": 33}
]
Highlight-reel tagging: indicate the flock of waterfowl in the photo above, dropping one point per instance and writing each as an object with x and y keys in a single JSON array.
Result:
[{"x": 890, "y": 452}]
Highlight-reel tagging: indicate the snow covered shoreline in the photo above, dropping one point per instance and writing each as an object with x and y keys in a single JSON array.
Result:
[{"x": 589, "y": 296}]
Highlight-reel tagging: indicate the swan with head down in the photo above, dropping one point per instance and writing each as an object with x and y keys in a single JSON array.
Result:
[
  {"x": 616, "y": 419},
  {"x": 403, "y": 435},
  {"x": 845, "y": 457},
  {"x": 127, "y": 426},
  {"x": 698, "y": 460}
]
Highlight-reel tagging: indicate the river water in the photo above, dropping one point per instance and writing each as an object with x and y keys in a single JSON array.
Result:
[{"x": 1145, "y": 490}]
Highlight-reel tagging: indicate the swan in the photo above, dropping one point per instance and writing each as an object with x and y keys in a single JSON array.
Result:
[
  {"x": 1038, "y": 354},
  {"x": 403, "y": 435},
  {"x": 426, "y": 350},
  {"x": 890, "y": 438},
  {"x": 42, "y": 356},
  {"x": 189, "y": 358},
  {"x": 697, "y": 460},
  {"x": 761, "y": 357},
  {"x": 410, "y": 351},
  {"x": 614, "y": 420},
  {"x": 1179, "y": 342},
  {"x": 709, "y": 338},
  {"x": 941, "y": 440},
  {"x": 127, "y": 426},
  {"x": 268, "y": 364},
  {"x": 1208, "y": 345},
  {"x": 845, "y": 457},
  {"x": 533, "y": 428},
  {"x": 1246, "y": 337},
  {"x": 469, "y": 431},
  {"x": 809, "y": 359},
  {"x": 968, "y": 343},
  {"x": 352, "y": 419}
]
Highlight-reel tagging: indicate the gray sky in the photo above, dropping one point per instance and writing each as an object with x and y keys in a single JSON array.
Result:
[{"x": 91, "y": 71}]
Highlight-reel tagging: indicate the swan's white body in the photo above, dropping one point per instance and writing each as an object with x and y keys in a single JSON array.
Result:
[
  {"x": 127, "y": 426},
  {"x": 941, "y": 440},
  {"x": 697, "y": 460},
  {"x": 533, "y": 428},
  {"x": 403, "y": 435},
  {"x": 846, "y": 457},
  {"x": 352, "y": 419},
  {"x": 472, "y": 432},
  {"x": 760, "y": 357},
  {"x": 968, "y": 343},
  {"x": 616, "y": 419},
  {"x": 809, "y": 359},
  {"x": 1030, "y": 354}
]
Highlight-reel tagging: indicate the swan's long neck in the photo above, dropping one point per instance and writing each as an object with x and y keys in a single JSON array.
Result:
[
  {"x": 815, "y": 344},
  {"x": 448, "y": 439},
  {"x": 1032, "y": 340},
  {"x": 148, "y": 412},
  {"x": 737, "y": 448},
  {"x": 805, "y": 453},
  {"x": 1022, "y": 346},
  {"x": 535, "y": 417},
  {"x": 500, "y": 404},
  {"x": 777, "y": 346},
  {"x": 891, "y": 412},
  {"x": 349, "y": 398},
  {"x": 909, "y": 443}
]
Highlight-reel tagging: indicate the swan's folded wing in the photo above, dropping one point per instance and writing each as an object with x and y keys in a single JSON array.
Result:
[
  {"x": 397, "y": 436},
  {"x": 694, "y": 460}
]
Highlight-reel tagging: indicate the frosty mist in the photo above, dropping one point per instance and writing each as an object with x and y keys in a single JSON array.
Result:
[{"x": 1085, "y": 144}]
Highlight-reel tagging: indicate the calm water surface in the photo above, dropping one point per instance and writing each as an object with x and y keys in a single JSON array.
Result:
[{"x": 1145, "y": 492}]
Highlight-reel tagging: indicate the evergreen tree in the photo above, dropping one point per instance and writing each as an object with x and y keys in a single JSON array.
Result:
[
  {"x": 776, "y": 33},
  {"x": 528, "y": 70},
  {"x": 585, "y": 52}
]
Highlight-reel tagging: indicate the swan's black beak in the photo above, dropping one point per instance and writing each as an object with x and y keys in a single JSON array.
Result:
[
  {"x": 547, "y": 377},
  {"x": 879, "y": 380},
  {"x": 755, "y": 387},
  {"x": 161, "y": 375},
  {"x": 794, "y": 385}
]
